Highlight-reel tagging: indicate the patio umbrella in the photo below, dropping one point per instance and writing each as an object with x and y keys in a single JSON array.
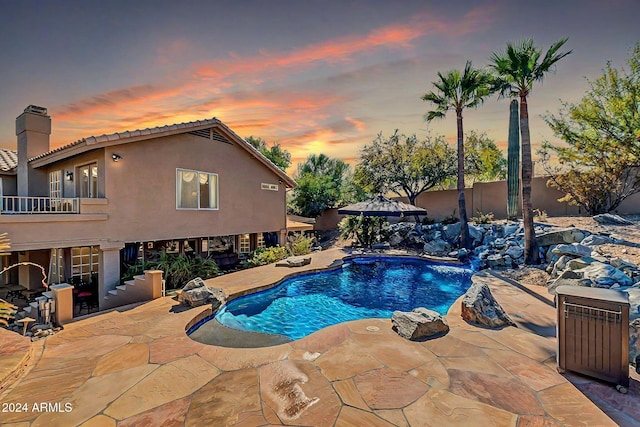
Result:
[{"x": 381, "y": 206}]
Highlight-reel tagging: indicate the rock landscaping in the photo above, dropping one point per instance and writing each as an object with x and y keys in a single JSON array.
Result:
[
  {"x": 421, "y": 323},
  {"x": 573, "y": 256}
]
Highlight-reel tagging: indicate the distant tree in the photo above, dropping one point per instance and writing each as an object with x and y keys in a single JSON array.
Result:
[
  {"x": 484, "y": 161},
  {"x": 518, "y": 67},
  {"x": 456, "y": 91},
  {"x": 278, "y": 155},
  {"x": 404, "y": 165},
  {"x": 598, "y": 167},
  {"x": 322, "y": 184}
]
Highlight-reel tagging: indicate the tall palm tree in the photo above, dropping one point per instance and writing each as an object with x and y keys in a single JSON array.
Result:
[
  {"x": 517, "y": 68},
  {"x": 457, "y": 91}
]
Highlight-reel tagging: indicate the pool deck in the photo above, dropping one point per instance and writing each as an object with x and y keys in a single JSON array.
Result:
[{"x": 137, "y": 367}]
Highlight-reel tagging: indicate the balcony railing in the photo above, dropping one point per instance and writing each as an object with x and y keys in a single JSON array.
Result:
[{"x": 39, "y": 205}]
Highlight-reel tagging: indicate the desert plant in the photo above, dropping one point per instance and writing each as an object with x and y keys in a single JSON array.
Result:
[
  {"x": 481, "y": 218},
  {"x": 7, "y": 311},
  {"x": 299, "y": 244},
  {"x": 513, "y": 161},
  {"x": 450, "y": 219},
  {"x": 540, "y": 215}
]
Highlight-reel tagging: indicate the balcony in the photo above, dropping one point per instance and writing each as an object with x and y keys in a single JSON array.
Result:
[{"x": 39, "y": 205}]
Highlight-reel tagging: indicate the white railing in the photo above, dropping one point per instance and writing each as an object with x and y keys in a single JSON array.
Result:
[{"x": 39, "y": 205}]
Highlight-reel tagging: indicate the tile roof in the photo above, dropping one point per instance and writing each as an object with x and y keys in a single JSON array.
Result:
[
  {"x": 8, "y": 159},
  {"x": 129, "y": 134}
]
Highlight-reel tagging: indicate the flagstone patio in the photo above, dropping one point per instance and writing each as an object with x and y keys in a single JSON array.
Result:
[{"x": 137, "y": 367}]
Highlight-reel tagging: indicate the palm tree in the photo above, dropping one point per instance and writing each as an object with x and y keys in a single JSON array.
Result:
[
  {"x": 458, "y": 91},
  {"x": 518, "y": 67}
]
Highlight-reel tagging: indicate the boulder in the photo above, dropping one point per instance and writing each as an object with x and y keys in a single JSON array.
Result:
[
  {"x": 559, "y": 265},
  {"x": 513, "y": 228},
  {"x": 479, "y": 306},
  {"x": 634, "y": 341},
  {"x": 515, "y": 252},
  {"x": 566, "y": 235},
  {"x": 596, "y": 239},
  {"x": 395, "y": 239},
  {"x": 196, "y": 293},
  {"x": 461, "y": 253},
  {"x": 499, "y": 243},
  {"x": 579, "y": 263},
  {"x": 574, "y": 249},
  {"x": 496, "y": 261},
  {"x": 476, "y": 234},
  {"x": 297, "y": 261},
  {"x": 634, "y": 303},
  {"x": 418, "y": 324},
  {"x": 451, "y": 232},
  {"x": 604, "y": 275},
  {"x": 611, "y": 219},
  {"x": 437, "y": 246},
  {"x": 568, "y": 278}
]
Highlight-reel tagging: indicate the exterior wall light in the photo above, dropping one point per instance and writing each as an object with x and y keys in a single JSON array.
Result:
[
  {"x": 69, "y": 176},
  {"x": 116, "y": 157}
]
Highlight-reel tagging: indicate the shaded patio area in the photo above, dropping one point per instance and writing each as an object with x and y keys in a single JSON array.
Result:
[{"x": 137, "y": 367}]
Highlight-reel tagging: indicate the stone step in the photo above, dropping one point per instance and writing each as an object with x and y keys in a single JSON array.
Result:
[
  {"x": 132, "y": 282},
  {"x": 48, "y": 294},
  {"x": 113, "y": 292},
  {"x": 122, "y": 288}
]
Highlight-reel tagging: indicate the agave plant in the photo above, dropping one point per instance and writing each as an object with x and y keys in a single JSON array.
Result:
[{"x": 7, "y": 312}]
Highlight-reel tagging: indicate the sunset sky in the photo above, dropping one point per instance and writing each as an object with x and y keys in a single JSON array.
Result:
[{"x": 323, "y": 76}]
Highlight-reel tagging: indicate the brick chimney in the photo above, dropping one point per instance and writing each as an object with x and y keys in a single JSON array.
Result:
[{"x": 33, "y": 128}]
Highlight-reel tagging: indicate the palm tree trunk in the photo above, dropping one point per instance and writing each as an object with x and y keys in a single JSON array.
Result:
[
  {"x": 531, "y": 255},
  {"x": 464, "y": 226}
]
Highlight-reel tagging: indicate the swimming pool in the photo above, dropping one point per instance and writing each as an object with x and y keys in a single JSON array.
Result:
[{"x": 367, "y": 287}]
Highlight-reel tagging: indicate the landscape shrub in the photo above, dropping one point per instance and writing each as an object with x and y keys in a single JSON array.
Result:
[
  {"x": 177, "y": 269},
  {"x": 366, "y": 229},
  {"x": 264, "y": 256},
  {"x": 299, "y": 244}
]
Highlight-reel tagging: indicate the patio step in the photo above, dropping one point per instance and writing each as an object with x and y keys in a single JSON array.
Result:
[
  {"x": 32, "y": 307},
  {"x": 121, "y": 287},
  {"x": 48, "y": 294},
  {"x": 113, "y": 292}
]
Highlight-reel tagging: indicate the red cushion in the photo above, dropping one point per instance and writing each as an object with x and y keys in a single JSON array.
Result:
[{"x": 84, "y": 294}]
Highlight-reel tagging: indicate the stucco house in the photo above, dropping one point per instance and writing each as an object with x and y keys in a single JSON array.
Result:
[{"x": 83, "y": 209}]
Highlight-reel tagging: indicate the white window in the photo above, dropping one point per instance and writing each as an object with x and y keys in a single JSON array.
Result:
[
  {"x": 196, "y": 190},
  {"x": 260, "y": 241},
  {"x": 84, "y": 262},
  {"x": 55, "y": 184},
  {"x": 266, "y": 186},
  {"x": 89, "y": 180},
  {"x": 245, "y": 244}
]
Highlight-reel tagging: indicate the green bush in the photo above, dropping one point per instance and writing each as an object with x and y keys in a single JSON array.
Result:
[
  {"x": 299, "y": 244},
  {"x": 366, "y": 229},
  {"x": 177, "y": 269},
  {"x": 264, "y": 256}
]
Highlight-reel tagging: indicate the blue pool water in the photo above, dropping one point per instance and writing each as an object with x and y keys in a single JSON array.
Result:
[{"x": 362, "y": 288}]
